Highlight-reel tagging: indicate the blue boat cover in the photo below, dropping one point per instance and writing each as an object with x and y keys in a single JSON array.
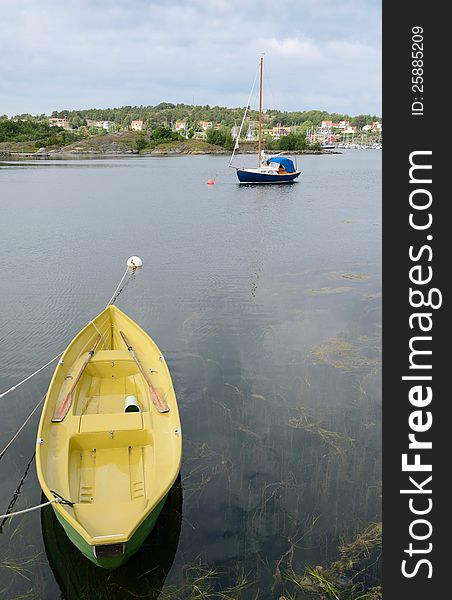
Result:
[{"x": 284, "y": 162}]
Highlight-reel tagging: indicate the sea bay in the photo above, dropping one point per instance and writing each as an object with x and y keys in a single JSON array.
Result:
[{"x": 266, "y": 303}]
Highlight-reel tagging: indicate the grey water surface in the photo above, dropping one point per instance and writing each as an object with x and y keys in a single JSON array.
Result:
[{"x": 265, "y": 300}]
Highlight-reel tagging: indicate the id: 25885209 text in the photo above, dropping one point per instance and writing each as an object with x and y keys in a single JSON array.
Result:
[{"x": 417, "y": 70}]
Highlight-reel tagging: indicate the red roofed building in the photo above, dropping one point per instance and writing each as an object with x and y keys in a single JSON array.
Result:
[{"x": 136, "y": 125}]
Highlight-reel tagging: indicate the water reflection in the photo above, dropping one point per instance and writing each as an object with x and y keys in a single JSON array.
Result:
[
  {"x": 286, "y": 461},
  {"x": 142, "y": 576}
]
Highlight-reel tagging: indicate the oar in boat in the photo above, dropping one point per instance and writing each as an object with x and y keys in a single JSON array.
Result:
[
  {"x": 62, "y": 408},
  {"x": 159, "y": 402}
]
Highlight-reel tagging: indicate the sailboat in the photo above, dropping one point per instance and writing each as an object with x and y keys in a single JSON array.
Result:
[{"x": 271, "y": 169}]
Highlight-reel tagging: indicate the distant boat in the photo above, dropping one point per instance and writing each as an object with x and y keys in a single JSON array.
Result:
[
  {"x": 273, "y": 169},
  {"x": 109, "y": 439}
]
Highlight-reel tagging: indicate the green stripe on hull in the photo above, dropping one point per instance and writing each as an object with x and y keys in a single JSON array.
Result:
[{"x": 132, "y": 545}]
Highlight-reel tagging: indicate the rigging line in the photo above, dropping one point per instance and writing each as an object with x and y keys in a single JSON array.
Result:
[
  {"x": 244, "y": 117},
  {"x": 271, "y": 93},
  {"x": 21, "y": 427}
]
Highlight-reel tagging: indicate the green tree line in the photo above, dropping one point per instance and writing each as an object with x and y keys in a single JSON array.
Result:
[
  {"x": 167, "y": 113},
  {"x": 293, "y": 141},
  {"x": 159, "y": 120},
  {"x": 34, "y": 131}
]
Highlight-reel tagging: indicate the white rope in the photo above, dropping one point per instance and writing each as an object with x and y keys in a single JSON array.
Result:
[
  {"x": 96, "y": 328},
  {"x": 243, "y": 120},
  {"x": 116, "y": 290},
  {"x": 26, "y": 510},
  {"x": 21, "y": 427},
  {"x": 14, "y": 387},
  {"x": 99, "y": 332},
  {"x": 30, "y": 376}
]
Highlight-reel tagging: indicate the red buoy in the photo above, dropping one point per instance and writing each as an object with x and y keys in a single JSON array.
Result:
[{"x": 210, "y": 182}]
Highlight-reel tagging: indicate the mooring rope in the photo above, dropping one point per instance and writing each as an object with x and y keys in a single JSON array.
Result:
[
  {"x": 58, "y": 499},
  {"x": 11, "y": 389},
  {"x": 26, "y": 510},
  {"x": 16, "y": 493},
  {"x": 21, "y": 427},
  {"x": 117, "y": 291},
  {"x": 120, "y": 290},
  {"x": 9, "y": 514}
]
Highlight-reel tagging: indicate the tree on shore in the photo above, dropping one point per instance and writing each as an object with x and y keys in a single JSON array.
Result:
[
  {"x": 220, "y": 137},
  {"x": 292, "y": 142},
  {"x": 38, "y": 132}
]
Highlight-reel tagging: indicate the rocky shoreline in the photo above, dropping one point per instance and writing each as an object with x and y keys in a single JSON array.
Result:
[
  {"x": 122, "y": 145},
  {"x": 96, "y": 154}
]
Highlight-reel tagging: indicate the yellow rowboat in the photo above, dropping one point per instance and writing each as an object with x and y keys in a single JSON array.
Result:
[{"x": 109, "y": 440}]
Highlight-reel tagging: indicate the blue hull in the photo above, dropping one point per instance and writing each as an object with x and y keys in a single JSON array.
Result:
[{"x": 250, "y": 177}]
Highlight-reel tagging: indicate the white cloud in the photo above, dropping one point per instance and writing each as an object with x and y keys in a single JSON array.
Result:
[
  {"x": 56, "y": 55},
  {"x": 296, "y": 48}
]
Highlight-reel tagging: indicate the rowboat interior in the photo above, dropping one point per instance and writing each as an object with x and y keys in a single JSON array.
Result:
[{"x": 114, "y": 452}]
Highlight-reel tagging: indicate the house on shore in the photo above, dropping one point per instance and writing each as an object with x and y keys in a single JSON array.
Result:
[
  {"x": 280, "y": 131},
  {"x": 107, "y": 125},
  {"x": 59, "y": 122},
  {"x": 136, "y": 125},
  {"x": 181, "y": 127},
  {"x": 375, "y": 127}
]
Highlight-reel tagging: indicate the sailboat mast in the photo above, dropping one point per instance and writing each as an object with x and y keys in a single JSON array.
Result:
[{"x": 259, "y": 148}]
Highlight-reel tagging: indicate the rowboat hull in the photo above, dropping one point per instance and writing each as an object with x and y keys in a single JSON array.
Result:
[
  {"x": 146, "y": 570},
  {"x": 254, "y": 176},
  {"x": 130, "y": 547},
  {"x": 109, "y": 440}
]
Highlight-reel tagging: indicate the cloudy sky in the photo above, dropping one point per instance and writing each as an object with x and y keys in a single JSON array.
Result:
[{"x": 71, "y": 54}]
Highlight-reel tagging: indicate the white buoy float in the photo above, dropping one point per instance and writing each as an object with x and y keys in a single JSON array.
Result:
[{"x": 134, "y": 262}]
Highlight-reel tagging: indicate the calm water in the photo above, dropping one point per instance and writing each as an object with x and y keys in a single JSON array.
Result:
[{"x": 266, "y": 304}]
